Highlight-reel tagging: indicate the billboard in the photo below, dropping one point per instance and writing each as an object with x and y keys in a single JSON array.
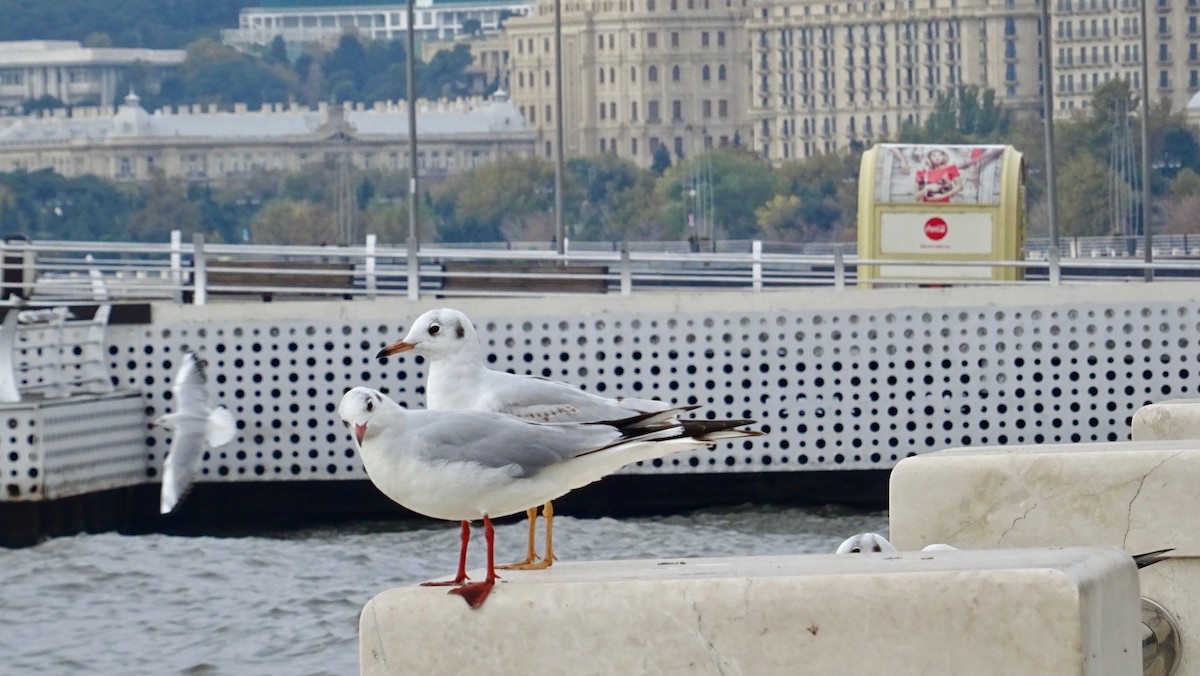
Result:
[{"x": 940, "y": 203}]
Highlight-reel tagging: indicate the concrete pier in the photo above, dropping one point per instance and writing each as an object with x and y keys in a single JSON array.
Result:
[
  {"x": 1030, "y": 612},
  {"x": 1140, "y": 496}
]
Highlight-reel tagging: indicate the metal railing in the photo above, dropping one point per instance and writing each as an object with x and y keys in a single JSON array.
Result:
[{"x": 47, "y": 272}]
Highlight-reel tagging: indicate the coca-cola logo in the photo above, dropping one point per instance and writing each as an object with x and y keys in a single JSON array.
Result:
[{"x": 936, "y": 228}]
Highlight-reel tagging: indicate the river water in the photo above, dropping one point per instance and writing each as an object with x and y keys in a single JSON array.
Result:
[{"x": 288, "y": 603}]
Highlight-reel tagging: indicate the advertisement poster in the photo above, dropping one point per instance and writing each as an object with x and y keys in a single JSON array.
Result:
[{"x": 937, "y": 174}]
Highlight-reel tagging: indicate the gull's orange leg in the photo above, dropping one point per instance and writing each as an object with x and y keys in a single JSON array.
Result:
[
  {"x": 530, "y": 552},
  {"x": 548, "y": 559}
]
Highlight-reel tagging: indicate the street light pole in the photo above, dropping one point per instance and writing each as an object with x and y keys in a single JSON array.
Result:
[
  {"x": 558, "y": 126},
  {"x": 414, "y": 239},
  {"x": 1147, "y": 240},
  {"x": 1048, "y": 114}
]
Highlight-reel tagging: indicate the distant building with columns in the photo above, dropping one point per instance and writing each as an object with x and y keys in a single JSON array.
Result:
[
  {"x": 74, "y": 74},
  {"x": 203, "y": 144}
]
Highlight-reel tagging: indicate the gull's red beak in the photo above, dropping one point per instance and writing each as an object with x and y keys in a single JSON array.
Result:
[
  {"x": 395, "y": 348},
  {"x": 359, "y": 431}
]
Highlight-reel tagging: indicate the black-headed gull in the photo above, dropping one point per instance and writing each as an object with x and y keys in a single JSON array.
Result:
[
  {"x": 196, "y": 426},
  {"x": 865, "y": 542},
  {"x": 462, "y": 465},
  {"x": 459, "y": 379}
]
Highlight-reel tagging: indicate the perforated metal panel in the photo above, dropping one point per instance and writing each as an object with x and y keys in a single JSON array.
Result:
[
  {"x": 834, "y": 388},
  {"x": 59, "y": 448}
]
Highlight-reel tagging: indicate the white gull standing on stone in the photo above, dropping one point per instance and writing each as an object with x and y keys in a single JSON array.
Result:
[
  {"x": 196, "y": 426},
  {"x": 462, "y": 465},
  {"x": 459, "y": 379}
]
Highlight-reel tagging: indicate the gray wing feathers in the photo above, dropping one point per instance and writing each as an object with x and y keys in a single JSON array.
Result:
[{"x": 496, "y": 441}]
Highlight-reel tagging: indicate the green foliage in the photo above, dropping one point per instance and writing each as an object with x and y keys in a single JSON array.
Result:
[
  {"x": 44, "y": 205},
  {"x": 1083, "y": 184},
  {"x": 118, "y": 23}
]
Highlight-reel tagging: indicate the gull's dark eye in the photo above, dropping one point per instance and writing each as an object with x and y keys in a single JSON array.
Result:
[
  {"x": 434, "y": 329},
  {"x": 370, "y": 406}
]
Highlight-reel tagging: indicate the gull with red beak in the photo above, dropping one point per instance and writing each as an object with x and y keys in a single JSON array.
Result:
[
  {"x": 464, "y": 466},
  {"x": 459, "y": 379}
]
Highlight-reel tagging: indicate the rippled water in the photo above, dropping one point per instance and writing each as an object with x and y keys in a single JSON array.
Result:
[{"x": 289, "y": 603}]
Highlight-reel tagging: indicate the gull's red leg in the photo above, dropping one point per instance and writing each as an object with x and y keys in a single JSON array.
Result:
[
  {"x": 475, "y": 593},
  {"x": 461, "y": 577}
]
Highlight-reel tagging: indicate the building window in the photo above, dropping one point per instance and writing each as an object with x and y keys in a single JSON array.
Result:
[
  {"x": 674, "y": 39},
  {"x": 603, "y": 110},
  {"x": 720, "y": 38},
  {"x": 651, "y": 39},
  {"x": 633, "y": 141},
  {"x": 633, "y": 112},
  {"x": 706, "y": 109},
  {"x": 601, "y": 76},
  {"x": 652, "y": 112},
  {"x": 721, "y": 72},
  {"x": 549, "y": 113},
  {"x": 706, "y": 73},
  {"x": 633, "y": 40},
  {"x": 677, "y": 111},
  {"x": 602, "y": 145},
  {"x": 674, "y": 73},
  {"x": 703, "y": 38},
  {"x": 678, "y": 146},
  {"x": 722, "y": 108},
  {"x": 612, "y": 110},
  {"x": 649, "y": 8},
  {"x": 652, "y": 73},
  {"x": 633, "y": 73}
]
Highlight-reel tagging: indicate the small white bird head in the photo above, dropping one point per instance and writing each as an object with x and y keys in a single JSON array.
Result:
[
  {"x": 436, "y": 334},
  {"x": 865, "y": 542},
  {"x": 360, "y": 405}
]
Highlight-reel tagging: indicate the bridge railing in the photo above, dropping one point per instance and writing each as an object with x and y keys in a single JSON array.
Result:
[{"x": 198, "y": 272}]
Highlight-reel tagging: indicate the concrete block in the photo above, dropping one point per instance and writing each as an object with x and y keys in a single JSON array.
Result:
[
  {"x": 1030, "y": 611},
  {"x": 1174, "y": 419},
  {"x": 1140, "y": 496}
]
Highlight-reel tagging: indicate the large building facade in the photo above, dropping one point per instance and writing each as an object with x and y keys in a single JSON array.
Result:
[
  {"x": 207, "y": 145},
  {"x": 74, "y": 74},
  {"x": 794, "y": 78},
  {"x": 637, "y": 74},
  {"x": 830, "y": 75},
  {"x": 301, "y": 22}
]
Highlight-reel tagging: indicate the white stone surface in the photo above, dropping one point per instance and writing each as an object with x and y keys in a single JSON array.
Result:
[
  {"x": 1032, "y": 611},
  {"x": 1140, "y": 496},
  {"x": 1173, "y": 419}
]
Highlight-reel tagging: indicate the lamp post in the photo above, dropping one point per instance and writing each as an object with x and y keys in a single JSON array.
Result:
[
  {"x": 414, "y": 240},
  {"x": 1147, "y": 254},
  {"x": 558, "y": 126}
]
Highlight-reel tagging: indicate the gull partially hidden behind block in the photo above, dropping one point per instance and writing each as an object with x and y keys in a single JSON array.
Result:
[
  {"x": 463, "y": 465},
  {"x": 196, "y": 426},
  {"x": 459, "y": 379}
]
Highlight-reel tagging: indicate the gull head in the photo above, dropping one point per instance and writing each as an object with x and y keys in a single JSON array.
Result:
[
  {"x": 436, "y": 334},
  {"x": 360, "y": 405},
  {"x": 865, "y": 542}
]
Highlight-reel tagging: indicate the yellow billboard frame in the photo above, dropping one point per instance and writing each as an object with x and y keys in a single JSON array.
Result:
[{"x": 876, "y": 203}]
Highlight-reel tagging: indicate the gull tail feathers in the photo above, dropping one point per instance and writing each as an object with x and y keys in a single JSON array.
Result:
[
  {"x": 220, "y": 428},
  {"x": 1151, "y": 558},
  {"x": 717, "y": 430},
  {"x": 653, "y": 421}
]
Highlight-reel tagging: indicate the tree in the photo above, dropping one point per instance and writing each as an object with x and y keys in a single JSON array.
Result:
[
  {"x": 163, "y": 206},
  {"x": 288, "y": 221},
  {"x": 500, "y": 200},
  {"x": 660, "y": 159},
  {"x": 1084, "y": 185}
]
